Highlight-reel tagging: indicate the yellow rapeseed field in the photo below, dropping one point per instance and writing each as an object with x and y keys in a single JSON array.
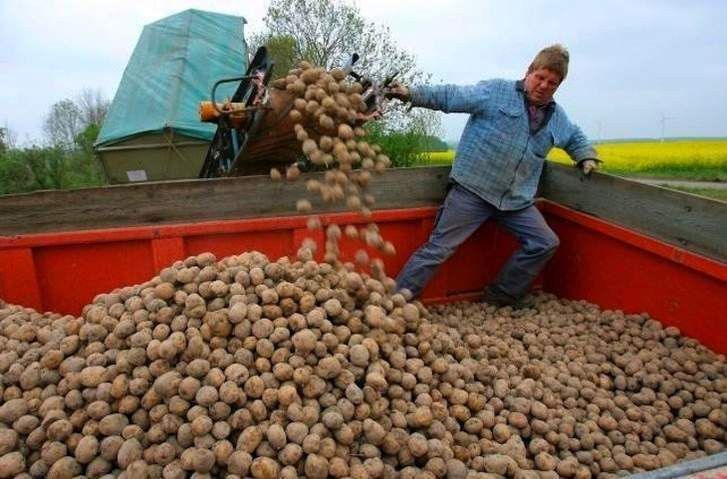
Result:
[{"x": 691, "y": 159}]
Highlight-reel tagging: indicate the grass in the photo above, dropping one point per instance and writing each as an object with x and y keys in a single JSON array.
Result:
[
  {"x": 699, "y": 160},
  {"x": 439, "y": 158}
]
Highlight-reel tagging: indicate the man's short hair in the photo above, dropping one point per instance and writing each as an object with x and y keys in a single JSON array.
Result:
[{"x": 554, "y": 58}]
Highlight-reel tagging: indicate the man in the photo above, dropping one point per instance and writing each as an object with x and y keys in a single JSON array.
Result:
[{"x": 512, "y": 127}]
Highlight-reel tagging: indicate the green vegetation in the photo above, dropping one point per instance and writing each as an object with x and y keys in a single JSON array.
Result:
[
  {"x": 65, "y": 159},
  {"x": 690, "y": 159},
  {"x": 437, "y": 158},
  {"x": 693, "y": 159},
  {"x": 405, "y": 147},
  {"x": 51, "y": 167}
]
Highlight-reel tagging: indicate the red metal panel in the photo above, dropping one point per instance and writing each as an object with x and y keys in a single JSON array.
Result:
[
  {"x": 18, "y": 282},
  {"x": 274, "y": 243},
  {"x": 477, "y": 261},
  {"x": 620, "y": 269},
  {"x": 597, "y": 261},
  {"x": 166, "y": 251},
  {"x": 437, "y": 287},
  {"x": 403, "y": 234},
  {"x": 300, "y": 234},
  {"x": 71, "y": 275}
]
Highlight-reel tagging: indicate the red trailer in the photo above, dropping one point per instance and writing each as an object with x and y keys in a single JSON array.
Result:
[{"x": 624, "y": 245}]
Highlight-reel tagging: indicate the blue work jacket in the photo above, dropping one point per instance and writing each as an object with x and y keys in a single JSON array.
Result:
[{"x": 498, "y": 157}]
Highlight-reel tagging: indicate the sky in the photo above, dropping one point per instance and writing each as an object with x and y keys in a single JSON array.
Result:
[{"x": 638, "y": 68}]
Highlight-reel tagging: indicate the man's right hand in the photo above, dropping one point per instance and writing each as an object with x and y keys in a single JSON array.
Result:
[{"x": 398, "y": 91}]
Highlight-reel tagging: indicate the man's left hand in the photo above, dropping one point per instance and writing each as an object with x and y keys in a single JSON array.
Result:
[{"x": 587, "y": 166}]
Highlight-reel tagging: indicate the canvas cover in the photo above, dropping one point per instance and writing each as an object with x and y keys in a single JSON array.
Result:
[{"x": 174, "y": 66}]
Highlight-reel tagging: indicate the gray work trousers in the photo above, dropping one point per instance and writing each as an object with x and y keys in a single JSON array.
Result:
[{"x": 462, "y": 213}]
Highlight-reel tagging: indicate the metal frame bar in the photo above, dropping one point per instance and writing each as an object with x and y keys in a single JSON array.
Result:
[{"x": 685, "y": 468}]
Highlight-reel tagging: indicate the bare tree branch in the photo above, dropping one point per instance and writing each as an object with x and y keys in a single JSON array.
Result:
[
  {"x": 327, "y": 32},
  {"x": 63, "y": 124},
  {"x": 93, "y": 105}
]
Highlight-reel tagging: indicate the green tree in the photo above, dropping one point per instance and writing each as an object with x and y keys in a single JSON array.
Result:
[
  {"x": 33, "y": 168},
  {"x": 72, "y": 127},
  {"x": 436, "y": 144},
  {"x": 69, "y": 118},
  {"x": 85, "y": 139},
  {"x": 85, "y": 169},
  {"x": 68, "y": 160},
  {"x": 15, "y": 177},
  {"x": 281, "y": 49},
  {"x": 3, "y": 140},
  {"x": 49, "y": 166},
  {"x": 406, "y": 146}
]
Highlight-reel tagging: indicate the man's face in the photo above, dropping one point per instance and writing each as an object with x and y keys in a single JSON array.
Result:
[{"x": 540, "y": 85}]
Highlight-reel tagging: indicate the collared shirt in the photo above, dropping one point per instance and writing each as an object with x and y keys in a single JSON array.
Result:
[
  {"x": 537, "y": 114},
  {"x": 499, "y": 158}
]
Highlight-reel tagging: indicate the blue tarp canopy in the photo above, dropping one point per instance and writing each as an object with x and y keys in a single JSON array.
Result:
[{"x": 172, "y": 69}]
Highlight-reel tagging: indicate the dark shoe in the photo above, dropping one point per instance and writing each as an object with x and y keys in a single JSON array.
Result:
[
  {"x": 499, "y": 299},
  {"x": 496, "y": 298}
]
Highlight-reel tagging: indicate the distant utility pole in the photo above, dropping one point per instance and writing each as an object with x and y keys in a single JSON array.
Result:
[{"x": 663, "y": 119}]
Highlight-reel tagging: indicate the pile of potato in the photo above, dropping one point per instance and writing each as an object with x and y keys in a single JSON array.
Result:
[
  {"x": 251, "y": 368},
  {"x": 328, "y": 111},
  {"x": 590, "y": 393}
]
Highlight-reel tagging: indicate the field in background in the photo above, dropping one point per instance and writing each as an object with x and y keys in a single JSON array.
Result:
[{"x": 699, "y": 160}]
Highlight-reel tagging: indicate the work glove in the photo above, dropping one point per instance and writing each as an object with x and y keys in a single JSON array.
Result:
[
  {"x": 398, "y": 91},
  {"x": 589, "y": 165}
]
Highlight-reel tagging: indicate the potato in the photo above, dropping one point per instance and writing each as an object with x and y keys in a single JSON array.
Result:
[
  {"x": 303, "y": 206},
  {"x": 276, "y": 436},
  {"x": 11, "y": 464},
  {"x": 87, "y": 449},
  {"x": 518, "y": 420},
  {"x": 98, "y": 467},
  {"x": 500, "y": 464},
  {"x": 250, "y": 439},
  {"x": 567, "y": 467},
  {"x": 198, "y": 460},
  {"x": 316, "y": 467},
  {"x": 304, "y": 341},
  {"x": 239, "y": 463},
  {"x": 545, "y": 462},
  {"x": 64, "y": 468},
  {"x": 130, "y": 451},
  {"x": 264, "y": 468},
  {"x": 12, "y": 409},
  {"x": 291, "y": 454},
  {"x": 8, "y": 441},
  {"x": 501, "y": 432},
  {"x": 295, "y": 116},
  {"x": 345, "y": 132}
]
